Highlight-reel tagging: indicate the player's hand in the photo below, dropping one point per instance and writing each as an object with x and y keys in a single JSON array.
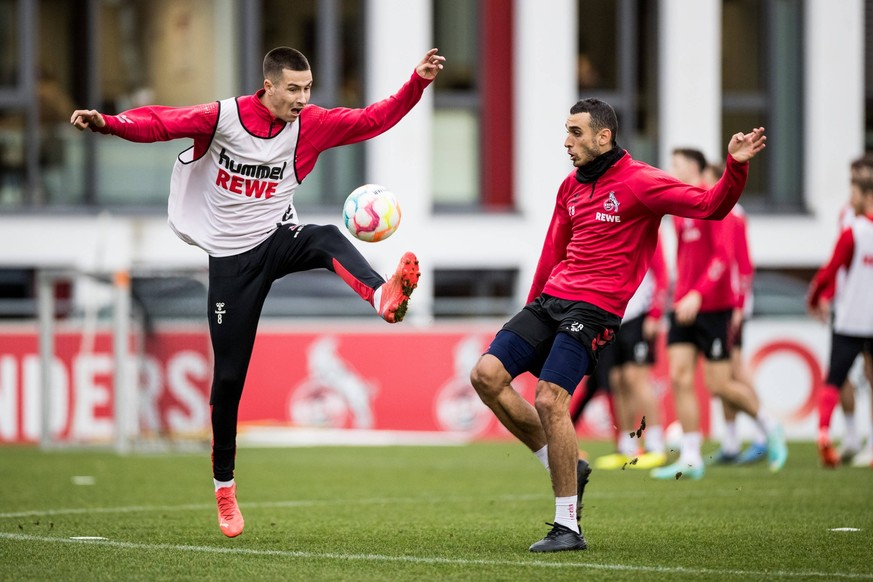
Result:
[
  {"x": 431, "y": 64},
  {"x": 745, "y": 146},
  {"x": 821, "y": 311},
  {"x": 687, "y": 308},
  {"x": 85, "y": 118}
]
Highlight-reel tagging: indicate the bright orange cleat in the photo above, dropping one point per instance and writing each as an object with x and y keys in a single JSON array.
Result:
[
  {"x": 230, "y": 520},
  {"x": 396, "y": 291},
  {"x": 829, "y": 456}
]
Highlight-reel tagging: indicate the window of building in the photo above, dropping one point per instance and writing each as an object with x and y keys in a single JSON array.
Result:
[
  {"x": 9, "y": 40},
  {"x": 474, "y": 292},
  {"x": 762, "y": 84},
  {"x": 473, "y": 106},
  {"x": 113, "y": 55},
  {"x": 331, "y": 35},
  {"x": 868, "y": 75},
  {"x": 616, "y": 62}
]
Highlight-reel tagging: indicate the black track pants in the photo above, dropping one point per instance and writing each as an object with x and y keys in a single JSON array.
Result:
[{"x": 238, "y": 287}]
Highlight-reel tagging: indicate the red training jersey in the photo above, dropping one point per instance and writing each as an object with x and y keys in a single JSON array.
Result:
[
  {"x": 742, "y": 267},
  {"x": 602, "y": 235}
]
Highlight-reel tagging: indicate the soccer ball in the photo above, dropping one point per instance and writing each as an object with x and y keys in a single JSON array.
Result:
[{"x": 371, "y": 213}]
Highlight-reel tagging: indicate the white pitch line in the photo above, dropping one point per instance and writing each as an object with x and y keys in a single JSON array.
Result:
[
  {"x": 432, "y": 559},
  {"x": 371, "y": 501},
  {"x": 256, "y": 505}
]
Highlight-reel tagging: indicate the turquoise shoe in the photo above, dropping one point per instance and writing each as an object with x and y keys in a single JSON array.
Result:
[
  {"x": 777, "y": 450},
  {"x": 678, "y": 471}
]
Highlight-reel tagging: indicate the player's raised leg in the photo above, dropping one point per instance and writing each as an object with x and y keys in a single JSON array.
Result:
[{"x": 311, "y": 246}]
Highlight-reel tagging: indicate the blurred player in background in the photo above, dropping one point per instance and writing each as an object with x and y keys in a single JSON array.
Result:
[
  {"x": 629, "y": 362},
  {"x": 851, "y": 442},
  {"x": 703, "y": 305},
  {"x": 232, "y": 195},
  {"x": 742, "y": 277},
  {"x": 598, "y": 247},
  {"x": 852, "y": 327}
]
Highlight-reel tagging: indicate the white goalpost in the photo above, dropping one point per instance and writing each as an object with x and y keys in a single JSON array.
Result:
[{"x": 104, "y": 373}]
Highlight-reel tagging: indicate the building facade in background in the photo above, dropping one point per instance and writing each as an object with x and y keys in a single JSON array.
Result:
[{"x": 475, "y": 166}]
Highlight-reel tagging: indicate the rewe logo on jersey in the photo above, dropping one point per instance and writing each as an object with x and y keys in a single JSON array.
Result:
[{"x": 250, "y": 180}]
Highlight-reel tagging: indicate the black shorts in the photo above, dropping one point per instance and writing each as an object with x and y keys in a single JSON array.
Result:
[
  {"x": 546, "y": 316},
  {"x": 709, "y": 334},
  {"x": 844, "y": 350},
  {"x": 630, "y": 346}
]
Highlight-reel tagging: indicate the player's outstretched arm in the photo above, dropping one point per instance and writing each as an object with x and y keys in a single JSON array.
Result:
[
  {"x": 745, "y": 146},
  {"x": 84, "y": 118},
  {"x": 430, "y": 65}
]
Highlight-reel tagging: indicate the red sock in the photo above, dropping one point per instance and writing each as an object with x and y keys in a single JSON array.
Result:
[{"x": 828, "y": 398}]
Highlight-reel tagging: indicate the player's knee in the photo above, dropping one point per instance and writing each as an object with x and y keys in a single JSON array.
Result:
[
  {"x": 226, "y": 387},
  {"x": 550, "y": 399},
  {"x": 330, "y": 230},
  {"x": 487, "y": 376}
]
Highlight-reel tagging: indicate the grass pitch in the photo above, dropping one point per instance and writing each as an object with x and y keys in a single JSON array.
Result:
[{"x": 422, "y": 513}]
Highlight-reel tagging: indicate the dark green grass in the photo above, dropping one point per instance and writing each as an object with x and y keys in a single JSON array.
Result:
[{"x": 422, "y": 513}]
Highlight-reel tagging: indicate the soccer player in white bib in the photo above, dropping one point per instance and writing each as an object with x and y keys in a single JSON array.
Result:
[
  {"x": 232, "y": 195},
  {"x": 852, "y": 328}
]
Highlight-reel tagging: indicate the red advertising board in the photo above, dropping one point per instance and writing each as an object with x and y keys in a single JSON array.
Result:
[{"x": 368, "y": 378}]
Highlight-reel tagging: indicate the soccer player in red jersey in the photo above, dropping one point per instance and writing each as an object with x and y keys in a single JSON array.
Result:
[
  {"x": 703, "y": 305},
  {"x": 232, "y": 195},
  {"x": 598, "y": 247},
  {"x": 631, "y": 357},
  {"x": 742, "y": 276}
]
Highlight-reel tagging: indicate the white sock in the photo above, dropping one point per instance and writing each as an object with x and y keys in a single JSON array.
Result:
[
  {"x": 760, "y": 437},
  {"x": 220, "y": 484},
  {"x": 690, "y": 452},
  {"x": 850, "y": 440},
  {"x": 377, "y": 297},
  {"x": 730, "y": 442},
  {"x": 543, "y": 456},
  {"x": 626, "y": 445},
  {"x": 655, "y": 439},
  {"x": 764, "y": 422},
  {"x": 565, "y": 512}
]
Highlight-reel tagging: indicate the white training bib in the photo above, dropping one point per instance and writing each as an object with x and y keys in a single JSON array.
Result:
[
  {"x": 233, "y": 197},
  {"x": 854, "y": 303}
]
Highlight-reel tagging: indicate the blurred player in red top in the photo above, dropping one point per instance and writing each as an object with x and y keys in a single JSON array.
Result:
[
  {"x": 599, "y": 245},
  {"x": 628, "y": 364},
  {"x": 700, "y": 323},
  {"x": 852, "y": 329},
  {"x": 742, "y": 276}
]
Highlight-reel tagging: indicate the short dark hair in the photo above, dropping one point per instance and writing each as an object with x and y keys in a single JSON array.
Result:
[
  {"x": 692, "y": 154},
  {"x": 602, "y": 115},
  {"x": 862, "y": 173},
  {"x": 281, "y": 58}
]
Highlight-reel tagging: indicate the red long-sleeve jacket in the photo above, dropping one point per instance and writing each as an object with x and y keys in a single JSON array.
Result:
[{"x": 602, "y": 235}]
